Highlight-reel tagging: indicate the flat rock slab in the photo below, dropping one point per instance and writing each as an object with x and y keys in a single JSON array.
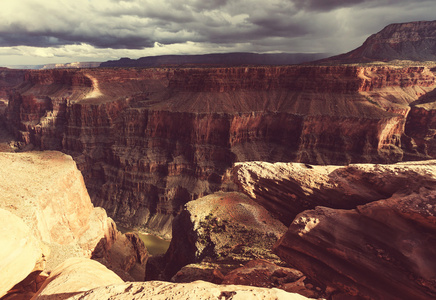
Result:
[{"x": 198, "y": 290}]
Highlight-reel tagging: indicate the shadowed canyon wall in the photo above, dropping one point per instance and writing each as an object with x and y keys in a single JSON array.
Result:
[{"x": 149, "y": 140}]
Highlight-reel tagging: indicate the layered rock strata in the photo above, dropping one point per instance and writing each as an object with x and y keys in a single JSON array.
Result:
[
  {"x": 365, "y": 231},
  {"x": 149, "y": 140},
  {"x": 287, "y": 189},
  {"x": 382, "y": 250}
]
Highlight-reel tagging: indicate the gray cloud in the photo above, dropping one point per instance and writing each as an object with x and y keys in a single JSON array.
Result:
[{"x": 251, "y": 25}]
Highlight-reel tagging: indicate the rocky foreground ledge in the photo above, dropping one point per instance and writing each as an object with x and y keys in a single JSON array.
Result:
[
  {"x": 47, "y": 217},
  {"x": 49, "y": 230},
  {"x": 361, "y": 231},
  {"x": 364, "y": 230}
]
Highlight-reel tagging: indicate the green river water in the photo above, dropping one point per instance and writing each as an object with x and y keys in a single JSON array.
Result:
[{"x": 155, "y": 245}]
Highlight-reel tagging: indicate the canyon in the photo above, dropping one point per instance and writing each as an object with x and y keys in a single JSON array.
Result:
[
  {"x": 286, "y": 182},
  {"x": 147, "y": 141}
]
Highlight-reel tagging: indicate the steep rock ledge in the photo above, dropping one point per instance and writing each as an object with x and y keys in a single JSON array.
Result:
[
  {"x": 361, "y": 230},
  {"x": 381, "y": 250},
  {"x": 287, "y": 189},
  {"x": 149, "y": 140},
  {"x": 47, "y": 193}
]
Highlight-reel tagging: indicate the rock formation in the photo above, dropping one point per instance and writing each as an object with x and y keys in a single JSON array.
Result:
[
  {"x": 47, "y": 191},
  {"x": 382, "y": 250},
  {"x": 74, "y": 276},
  {"x": 127, "y": 257},
  {"x": 262, "y": 273},
  {"x": 414, "y": 41},
  {"x": 149, "y": 140},
  {"x": 287, "y": 189},
  {"x": 20, "y": 251},
  {"x": 227, "y": 228},
  {"x": 47, "y": 217},
  {"x": 79, "y": 278},
  {"x": 363, "y": 230}
]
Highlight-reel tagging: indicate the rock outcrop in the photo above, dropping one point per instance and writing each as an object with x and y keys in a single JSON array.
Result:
[
  {"x": 46, "y": 193},
  {"x": 225, "y": 228},
  {"x": 127, "y": 257},
  {"x": 149, "y": 140},
  {"x": 80, "y": 278},
  {"x": 20, "y": 251},
  {"x": 287, "y": 189},
  {"x": 371, "y": 230},
  {"x": 263, "y": 273},
  {"x": 414, "y": 41},
  {"x": 75, "y": 276}
]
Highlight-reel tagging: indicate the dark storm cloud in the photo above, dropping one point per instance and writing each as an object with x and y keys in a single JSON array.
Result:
[
  {"x": 328, "y": 5},
  {"x": 325, "y": 5},
  {"x": 285, "y": 25}
]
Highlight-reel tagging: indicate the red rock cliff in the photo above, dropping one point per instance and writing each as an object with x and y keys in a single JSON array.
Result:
[{"x": 149, "y": 140}]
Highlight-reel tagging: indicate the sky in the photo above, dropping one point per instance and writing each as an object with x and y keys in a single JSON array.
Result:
[{"x": 36, "y": 32}]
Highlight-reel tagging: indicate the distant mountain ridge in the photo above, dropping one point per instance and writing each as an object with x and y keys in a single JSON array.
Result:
[
  {"x": 73, "y": 65},
  {"x": 415, "y": 41},
  {"x": 216, "y": 59}
]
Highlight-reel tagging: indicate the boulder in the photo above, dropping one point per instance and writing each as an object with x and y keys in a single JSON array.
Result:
[
  {"x": 74, "y": 276},
  {"x": 127, "y": 257},
  {"x": 263, "y": 273},
  {"x": 20, "y": 251}
]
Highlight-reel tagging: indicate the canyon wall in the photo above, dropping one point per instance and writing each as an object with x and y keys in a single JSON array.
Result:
[{"x": 149, "y": 140}]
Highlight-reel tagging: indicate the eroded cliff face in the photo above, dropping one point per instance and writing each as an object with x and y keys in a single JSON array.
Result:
[
  {"x": 149, "y": 140},
  {"x": 382, "y": 250},
  {"x": 361, "y": 230}
]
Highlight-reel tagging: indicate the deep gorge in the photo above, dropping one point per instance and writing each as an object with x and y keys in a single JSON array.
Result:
[{"x": 149, "y": 140}]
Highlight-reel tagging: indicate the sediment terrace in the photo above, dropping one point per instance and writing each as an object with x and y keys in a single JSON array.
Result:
[{"x": 149, "y": 140}]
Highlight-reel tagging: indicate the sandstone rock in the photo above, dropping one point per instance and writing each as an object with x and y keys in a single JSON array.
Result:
[
  {"x": 198, "y": 290},
  {"x": 75, "y": 276},
  {"x": 260, "y": 273},
  {"x": 47, "y": 191},
  {"x": 263, "y": 273},
  {"x": 19, "y": 251},
  {"x": 381, "y": 250},
  {"x": 127, "y": 257},
  {"x": 421, "y": 127},
  {"x": 286, "y": 189},
  {"x": 226, "y": 227},
  {"x": 209, "y": 271}
]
